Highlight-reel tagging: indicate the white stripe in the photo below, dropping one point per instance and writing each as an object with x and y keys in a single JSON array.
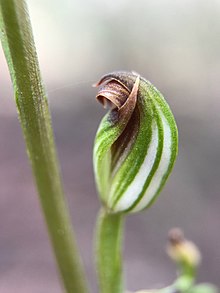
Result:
[
  {"x": 162, "y": 168},
  {"x": 136, "y": 186}
]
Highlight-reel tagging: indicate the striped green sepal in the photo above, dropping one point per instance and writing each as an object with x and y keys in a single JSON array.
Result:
[{"x": 136, "y": 143}]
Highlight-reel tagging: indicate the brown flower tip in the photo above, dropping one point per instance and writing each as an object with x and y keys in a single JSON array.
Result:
[
  {"x": 175, "y": 236},
  {"x": 118, "y": 90}
]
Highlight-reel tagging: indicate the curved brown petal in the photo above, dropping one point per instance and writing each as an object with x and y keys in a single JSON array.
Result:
[{"x": 115, "y": 93}]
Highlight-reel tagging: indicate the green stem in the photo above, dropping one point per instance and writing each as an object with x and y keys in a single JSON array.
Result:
[
  {"x": 183, "y": 283},
  {"x": 18, "y": 44},
  {"x": 108, "y": 252}
]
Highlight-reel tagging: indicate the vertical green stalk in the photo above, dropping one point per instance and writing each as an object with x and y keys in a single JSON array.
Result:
[
  {"x": 108, "y": 252},
  {"x": 18, "y": 44}
]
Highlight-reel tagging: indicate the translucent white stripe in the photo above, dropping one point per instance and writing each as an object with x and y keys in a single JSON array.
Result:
[
  {"x": 162, "y": 168},
  {"x": 136, "y": 186}
]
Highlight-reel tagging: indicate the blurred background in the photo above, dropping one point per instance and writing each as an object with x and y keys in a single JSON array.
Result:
[{"x": 175, "y": 45}]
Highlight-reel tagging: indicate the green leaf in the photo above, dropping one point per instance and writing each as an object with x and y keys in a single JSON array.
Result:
[{"x": 204, "y": 288}]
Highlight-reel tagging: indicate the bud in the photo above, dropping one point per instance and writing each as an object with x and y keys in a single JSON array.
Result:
[
  {"x": 136, "y": 143},
  {"x": 183, "y": 251}
]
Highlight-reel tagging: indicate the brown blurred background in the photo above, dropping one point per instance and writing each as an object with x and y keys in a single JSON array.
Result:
[{"x": 174, "y": 44}]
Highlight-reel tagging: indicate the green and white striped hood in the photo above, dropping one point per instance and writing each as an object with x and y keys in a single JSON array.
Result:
[{"x": 136, "y": 143}]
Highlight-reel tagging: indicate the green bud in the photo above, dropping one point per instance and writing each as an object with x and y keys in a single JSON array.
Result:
[
  {"x": 136, "y": 143},
  {"x": 183, "y": 252}
]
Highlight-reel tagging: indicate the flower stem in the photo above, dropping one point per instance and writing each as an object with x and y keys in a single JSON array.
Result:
[
  {"x": 18, "y": 44},
  {"x": 108, "y": 252}
]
